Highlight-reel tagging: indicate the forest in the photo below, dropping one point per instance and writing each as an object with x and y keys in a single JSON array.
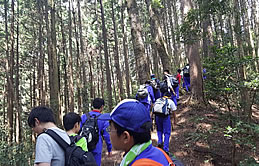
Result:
[{"x": 65, "y": 53}]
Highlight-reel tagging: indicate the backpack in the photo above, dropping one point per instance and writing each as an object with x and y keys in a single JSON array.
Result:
[
  {"x": 174, "y": 81},
  {"x": 186, "y": 72},
  {"x": 90, "y": 131},
  {"x": 142, "y": 92},
  {"x": 74, "y": 155},
  {"x": 154, "y": 84},
  {"x": 161, "y": 107},
  {"x": 163, "y": 86},
  {"x": 171, "y": 160}
]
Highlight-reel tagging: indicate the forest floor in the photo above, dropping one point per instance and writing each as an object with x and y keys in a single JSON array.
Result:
[{"x": 198, "y": 139}]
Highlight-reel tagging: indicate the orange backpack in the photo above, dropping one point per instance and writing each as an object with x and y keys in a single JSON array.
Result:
[{"x": 150, "y": 162}]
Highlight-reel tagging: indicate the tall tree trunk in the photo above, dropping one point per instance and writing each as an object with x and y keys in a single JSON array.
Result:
[
  {"x": 41, "y": 58},
  {"x": 53, "y": 71},
  {"x": 125, "y": 51},
  {"x": 107, "y": 65},
  {"x": 18, "y": 105},
  {"x": 174, "y": 28},
  {"x": 205, "y": 30},
  {"x": 84, "y": 86},
  {"x": 159, "y": 37},
  {"x": 102, "y": 72},
  {"x": 193, "y": 56},
  {"x": 195, "y": 72},
  {"x": 138, "y": 44},
  {"x": 7, "y": 61},
  {"x": 78, "y": 67},
  {"x": 242, "y": 72},
  {"x": 70, "y": 63},
  {"x": 90, "y": 74},
  {"x": 10, "y": 73},
  {"x": 65, "y": 59},
  {"x": 116, "y": 55}
]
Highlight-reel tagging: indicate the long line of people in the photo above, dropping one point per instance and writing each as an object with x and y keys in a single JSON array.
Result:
[{"x": 126, "y": 128}]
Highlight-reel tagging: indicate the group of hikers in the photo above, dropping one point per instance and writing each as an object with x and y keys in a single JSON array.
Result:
[{"x": 127, "y": 128}]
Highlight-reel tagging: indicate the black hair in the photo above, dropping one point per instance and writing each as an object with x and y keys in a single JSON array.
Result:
[
  {"x": 139, "y": 138},
  {"x": 70, "y": 119},
  {"x": 167, "y": 71},
  {"x": 179, "y": 70},
  {"x": 42, "y": 113},
  {"x": 148, "y": 82},
  {"x": 98, "y": 103},
  {"x": 168, "y": 94}
]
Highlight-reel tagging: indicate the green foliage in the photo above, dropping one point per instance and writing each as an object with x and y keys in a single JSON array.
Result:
[
  {"x": 190, "y": 31},
  {"x": 249, "y": 161},
  {"x": 157, "y": 4},
  {"x": 223, "y": 83},
  {"x": 14, "y": 153},
  {"x": 243, "y": 133}
]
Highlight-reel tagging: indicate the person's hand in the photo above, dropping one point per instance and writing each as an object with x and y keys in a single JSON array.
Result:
[{"x": 109, "y": 154}]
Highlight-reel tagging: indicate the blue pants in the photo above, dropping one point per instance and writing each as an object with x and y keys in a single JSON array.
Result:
[
  {"x": 163, "y": 129},
  {"x": 98, "y": 158},
  {"x": 187, "y": 83},
  {"x": 173, "y": 97},
  {"x": 177, "y": 92}
]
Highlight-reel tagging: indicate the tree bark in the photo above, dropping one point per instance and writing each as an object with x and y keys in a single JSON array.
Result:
[
  {"x": 125, "y": 52},
  {"x": 17, "y": 81},
  {"x": 10, "y": 81},
  {"x": 107, "y": 65},
  {"x": 138, "y": 44},
  {"x": 116, "y": 55},
  {"x": 70, "y": 63},
  {"x": 84, "y": 82},
  {"x": 53, "y": 69},
  {"x": 78, "y": 67},
  {"x": 64, "y": 64},
  {"x": 158, "y": 36}
]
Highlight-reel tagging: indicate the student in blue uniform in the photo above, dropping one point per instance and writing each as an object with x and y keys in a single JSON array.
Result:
[
  {"x": 163, "y": 121},
  {"x": 150, "y": 99},
  {"x": 156, "y": 86},
  {"x": 98, "y": 105},
  {"x": 171, "y": 89},
  {"x": 186, "y": 77},
  {"x": 130, "y": 126}
]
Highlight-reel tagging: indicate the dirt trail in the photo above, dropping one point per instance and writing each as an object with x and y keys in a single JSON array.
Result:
[{"x": 190, "y": 141}]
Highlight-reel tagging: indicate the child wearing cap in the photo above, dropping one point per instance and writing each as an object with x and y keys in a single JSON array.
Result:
[
  {"x": 150, "y": 99},
  {"x": 163, "y": 122},
  {"x": 130, "y": 126}
]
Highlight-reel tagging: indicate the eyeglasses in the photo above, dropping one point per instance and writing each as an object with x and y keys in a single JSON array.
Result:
[{"x": 108, "y": 129}]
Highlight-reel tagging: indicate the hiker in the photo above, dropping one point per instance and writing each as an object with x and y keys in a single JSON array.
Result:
[
  {"x": 71, "y": 122},
  {"x": 204, "y": 73},
  {"x": 164, "y": 111},
  {"x": 148, "y": 99},
  {"x": 47, "y": 151},
  {"x": 186, "y": 77},
  {"x": 178, "y": 77},
  {"x": 98, "y": 105},
  {"x": 155, "y": 83},
  {"x": 171, "y": 88},
  {"x": 130, "y": 126}
]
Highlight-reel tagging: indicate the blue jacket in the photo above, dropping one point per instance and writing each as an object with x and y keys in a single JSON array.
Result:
[
  {"x": 152, "y": 153},
  {"x": 150, "y": 98},
  {"x": 102, "y": 129}
]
